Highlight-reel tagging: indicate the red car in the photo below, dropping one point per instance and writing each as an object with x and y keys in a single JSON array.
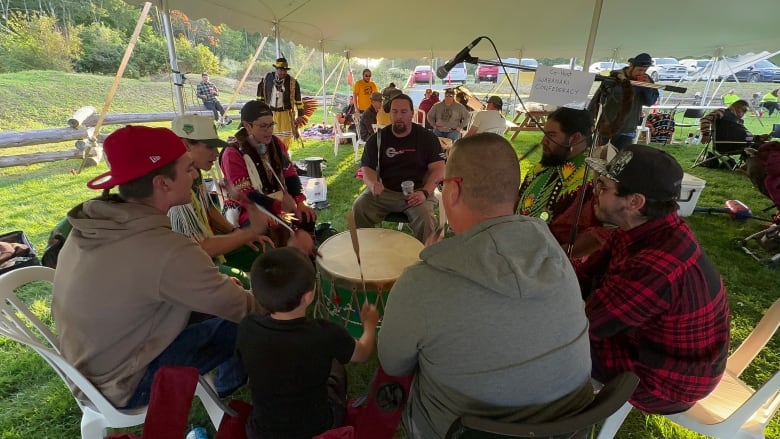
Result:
[
  {"x": 423, "y": 74},
  {"x": 486, "y": 73}
]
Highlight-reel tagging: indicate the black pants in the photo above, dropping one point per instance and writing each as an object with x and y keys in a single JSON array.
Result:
[{"x": 771, "y": 106}]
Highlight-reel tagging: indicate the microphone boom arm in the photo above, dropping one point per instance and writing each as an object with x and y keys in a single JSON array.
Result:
[{"x": 672, "y": 88}]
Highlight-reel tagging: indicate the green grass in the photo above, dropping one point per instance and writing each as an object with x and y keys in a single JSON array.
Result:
[{"x": 33, "y": 401}]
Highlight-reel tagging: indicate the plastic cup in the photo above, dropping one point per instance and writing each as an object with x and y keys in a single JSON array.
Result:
[{"x": 407, "y": 187}]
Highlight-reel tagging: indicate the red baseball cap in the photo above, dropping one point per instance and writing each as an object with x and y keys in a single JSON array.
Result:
[{"x": 134, "y": 151}]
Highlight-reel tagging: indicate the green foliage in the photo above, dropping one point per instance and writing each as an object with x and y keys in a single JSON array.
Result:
[
  {"x": 150, "y": 55},
  {"x": 37, "y": 43},
  {"x": 102, "y": 49},
  {"x": 196, "y": 59}
]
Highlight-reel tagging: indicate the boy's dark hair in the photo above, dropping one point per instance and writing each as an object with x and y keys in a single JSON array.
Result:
[
  {"x": 142, "y": 187},
  {"x": 280, "y": 277}
]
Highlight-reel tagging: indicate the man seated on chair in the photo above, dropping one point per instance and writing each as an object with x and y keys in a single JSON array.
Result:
[
  {"x": 490, "y": 321},
  {"x": 347, "y": 116},
  {"x": 728, "y": 127},
  {"x": 448, "y": 117},
  {"x": 368, "y": 117},
  {"x": 551, "y": 189},
  {"x": 200, "y": 219},
  {"x": 489, "y": 121},
  {"x": 126, "y": 284},
  {"x": 399, "y": 152},
  {"x": 656, "y": 303}
]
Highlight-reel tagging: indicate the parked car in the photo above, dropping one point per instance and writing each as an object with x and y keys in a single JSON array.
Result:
[
  {"x": 486, "y": 73},
  {"x": 457, "y": 74},
  {"x": 605, "y": 66},
  {"x": 491, "y": 73},
  {"x": 423, "y": 74},
  {"x": 666, "y": 69},
  {"x": 762, "y": 71},
  {"x": 696, "y": 65}
]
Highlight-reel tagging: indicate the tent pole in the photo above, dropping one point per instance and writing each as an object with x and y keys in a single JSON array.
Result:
[
  {"x": 716, "y": 58},
  {"x": 322, "y": 77},
  {"x": 177, "y": 76},
  {"x": 594, "y": 28},
  {"x": 276, "y": 38}
]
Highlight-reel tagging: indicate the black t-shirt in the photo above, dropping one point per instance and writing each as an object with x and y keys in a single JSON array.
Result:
[
  {"x": 403, "y": 158},
  {"x": 288, "y": 363}
]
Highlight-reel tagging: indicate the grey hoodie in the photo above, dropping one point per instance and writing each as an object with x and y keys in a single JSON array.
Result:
[
  {"x": 124, "y": 288},
  {"x": 492, "y": 319}
]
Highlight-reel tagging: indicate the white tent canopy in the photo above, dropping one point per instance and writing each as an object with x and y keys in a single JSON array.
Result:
[{"x": 406, "y": 29}]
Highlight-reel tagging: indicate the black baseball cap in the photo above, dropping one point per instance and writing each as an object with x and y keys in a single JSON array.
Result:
[
  {"x": 645, "y": 170},
  {"x": 641, "y": 60}
]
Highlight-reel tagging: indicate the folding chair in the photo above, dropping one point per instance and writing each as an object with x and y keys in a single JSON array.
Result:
[
  {"x": 733, "y": 410},
  {"x": 611, "y": 398},
  {"x": 690, "y": 113},
  {"x": 718, "y": 152},
  {"x": 338, "y": 134},
  {"x": 18, "y": 323}
]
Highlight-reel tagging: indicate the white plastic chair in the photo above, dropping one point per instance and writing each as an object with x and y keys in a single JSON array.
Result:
[
  {"x": 338, "y": 134},
  {"x": 18, "y": 323},
  {"x": 733, "y": 410},
  {"x": 642, "y": 131}
]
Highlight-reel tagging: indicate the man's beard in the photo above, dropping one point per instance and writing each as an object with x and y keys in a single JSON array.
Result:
[
  {"x": 552, "y": 161},
  {"x": 399, "y": 127}
]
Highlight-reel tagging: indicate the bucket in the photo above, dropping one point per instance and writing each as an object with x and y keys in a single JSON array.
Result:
[{"x": 314, "y": 167}]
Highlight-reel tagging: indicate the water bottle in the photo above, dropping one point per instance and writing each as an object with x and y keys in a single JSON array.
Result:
[
  {"x": 197, "y": 432},
  {"x": 689, "y": 140},
  {"x": 696, "y": 139}
]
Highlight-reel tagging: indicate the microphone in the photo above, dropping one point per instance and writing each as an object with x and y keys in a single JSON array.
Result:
[{"x": 442, "y": 71}]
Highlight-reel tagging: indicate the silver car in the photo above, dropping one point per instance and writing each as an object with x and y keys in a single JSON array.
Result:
[{"x": 667, "y": 69}]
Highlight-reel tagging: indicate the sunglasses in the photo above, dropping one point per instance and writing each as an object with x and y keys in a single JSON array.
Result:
[{"x": 456, "y": 180}]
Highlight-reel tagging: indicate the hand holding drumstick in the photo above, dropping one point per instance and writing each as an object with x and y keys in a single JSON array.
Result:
[{"x": 365, "y": 345}]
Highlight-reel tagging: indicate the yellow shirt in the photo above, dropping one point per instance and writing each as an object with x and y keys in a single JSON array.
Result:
[
  {"x": 383, "y": 119},
  {"x": 362, "y": 91},
  {"x": 730, "y": 98}
]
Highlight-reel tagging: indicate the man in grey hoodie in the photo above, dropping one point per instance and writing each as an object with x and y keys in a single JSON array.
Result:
[{"x": 490, "y": 321}]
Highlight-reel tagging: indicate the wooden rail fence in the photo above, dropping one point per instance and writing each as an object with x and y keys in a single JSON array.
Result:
[{"x": 80, "y": 128}]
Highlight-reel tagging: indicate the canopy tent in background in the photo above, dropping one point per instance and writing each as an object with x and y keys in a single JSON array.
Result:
[
  {"x": 722, "y": 68},
  {"x": 413, "y": 28}
]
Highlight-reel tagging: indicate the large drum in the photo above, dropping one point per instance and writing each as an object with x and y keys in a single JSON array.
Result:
[{"x": 384, "y": 254}]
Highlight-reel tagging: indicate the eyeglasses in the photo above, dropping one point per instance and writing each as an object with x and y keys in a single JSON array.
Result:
[
  {"x": 449, "y": 94},
  {"x": 263, "y": 126},
  {"x": 456, "y": 180}
]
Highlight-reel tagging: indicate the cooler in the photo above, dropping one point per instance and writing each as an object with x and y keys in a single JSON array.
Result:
[{"x": 689, "y": 194}]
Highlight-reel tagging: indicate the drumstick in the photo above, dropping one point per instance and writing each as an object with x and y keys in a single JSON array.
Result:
[
  {"x": 237, "y": 195},
  {"x": 356, "y": 246}
]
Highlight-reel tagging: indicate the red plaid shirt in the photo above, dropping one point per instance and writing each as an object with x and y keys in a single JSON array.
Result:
[{"x": 657, "y": 307}]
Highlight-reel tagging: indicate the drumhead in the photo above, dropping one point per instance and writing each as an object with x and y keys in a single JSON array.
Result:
[{"x": 384, "y": 254}]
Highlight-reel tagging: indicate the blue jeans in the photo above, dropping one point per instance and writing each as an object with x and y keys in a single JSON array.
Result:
[
  {"x": 206, "y": 345},
  {"x": 452, "y": 134}
]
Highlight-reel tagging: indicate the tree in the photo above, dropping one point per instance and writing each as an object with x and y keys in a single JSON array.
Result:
[
  {"x": 196, "y": 59},
  {"x": 102, "y": 49},
  {"x": 151, "y": 53},
  {"x": 37, "y": 43}
]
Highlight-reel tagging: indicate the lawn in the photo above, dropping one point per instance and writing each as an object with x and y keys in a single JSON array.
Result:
[{"x": 33, "y": 401}]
